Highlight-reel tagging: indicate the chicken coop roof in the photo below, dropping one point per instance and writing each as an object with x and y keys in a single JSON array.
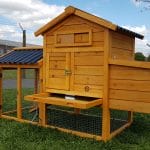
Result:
[{"x": 22, "y": 56}]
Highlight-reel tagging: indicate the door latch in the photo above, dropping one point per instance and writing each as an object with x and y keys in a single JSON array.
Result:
[{"x": 67, "y": 72}]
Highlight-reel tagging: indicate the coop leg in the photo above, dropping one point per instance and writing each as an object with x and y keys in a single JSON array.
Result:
[
  {"x": 130, "y": 116},
  {"x": 42, "y": 114},
  {"x": 19, "y": 93},
  {"x": 106, "y": 124}
]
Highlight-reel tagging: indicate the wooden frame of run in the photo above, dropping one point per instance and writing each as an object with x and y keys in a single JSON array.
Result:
[{"x": 19, "y": 90}]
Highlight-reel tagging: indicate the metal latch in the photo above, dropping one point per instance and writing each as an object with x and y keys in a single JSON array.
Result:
[{"x": 67, "y": 72}]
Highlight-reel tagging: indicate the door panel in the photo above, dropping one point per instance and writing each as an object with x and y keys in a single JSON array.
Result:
[{"x": 57, "y": 69}]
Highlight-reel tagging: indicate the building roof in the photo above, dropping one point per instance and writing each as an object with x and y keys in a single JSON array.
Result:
[
  {"x": 72, "y": 10},
  {"x": 22, "y": 56},
  {"x": 13, "y": 43}
]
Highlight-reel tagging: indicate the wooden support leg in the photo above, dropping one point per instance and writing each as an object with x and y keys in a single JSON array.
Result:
[
  {"x": 105, "y": 123},
  {"x": 19, "y": 93},
  {"x": 36, "y": 81},
  {"x": 130, "y": 116},
  {"x": 1, "y": 95},
  {"x": 42, "y": 114}
]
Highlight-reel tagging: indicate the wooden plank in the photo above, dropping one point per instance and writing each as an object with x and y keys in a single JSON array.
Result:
[
  {"x": 90, "y": 53},
  {"x": 58, "y": 83},
  {"x": 130, "y": 95},
  {"x": 64, "y": 102},
  {"x": 57, "y": 58},
  {"x": 122, "y": 37},
  {"x": 72, "y": 70},
  {"x": 117, "y": 43},
  {"x": 50, "y": 39},
  {"x": 136, "y": 64},
  {"x": 105, "y": 106},
  {"x": 89, "y": 60},
  {"x": 61, "y": 54},
  {"x": 98, "y": 43},
  {"x": 78, "y": 93},
  {"x": 74, "y": 49},
  {"x": 42, "y": 114},
  {"x": 91, "y": 88},
  {"x": 118, "y": 53},
  {"x": 19, "y": 93},
  {"x": 89, "y": 70},
  {"x": 86, "y": 79},
  {"x": 98, "y": 36},
  {"x": 130, "y": 106},
  {"x": 131, "y": 73},
  {"x": 67, "y": 67},
  {"x": 133, "y": 85},
  {"x": 54, "y": 64},
  {"x": 56, "y": 73}
]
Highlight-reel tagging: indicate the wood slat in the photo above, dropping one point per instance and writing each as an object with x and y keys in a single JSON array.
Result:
[
  {"x": 56, "y": 73},
  {"x": 131, "y": 73},
  {"x": 129, "y": 106},
  {"x": 130, "y": 85},
  {"x": 92, "y": 88},
  {"x": 57, "y": 64},
  {"x": 118, "y": 53},
  {"x": 98, "y": 36},
  {"x": 130, "y": 95},
  {"x": 85, "y": 79},
  {"x": 96, "y": 53},
  {"x": 89, "y": 70},
  {"x": 58, "y": 83},
  {"x": 57, "y": 58},
  {"x": 89, "y": 60}
]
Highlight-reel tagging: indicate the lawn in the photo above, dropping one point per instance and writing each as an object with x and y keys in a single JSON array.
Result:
[
  {"x": 12, "y": 74},
  {"x": 19, "y": 136}
]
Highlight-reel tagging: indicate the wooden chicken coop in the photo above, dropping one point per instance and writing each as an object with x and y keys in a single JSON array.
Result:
[{"x": 88, "y": 65}]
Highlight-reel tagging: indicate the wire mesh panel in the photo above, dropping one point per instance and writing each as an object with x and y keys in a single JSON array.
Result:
[
  {"x": 87, "y": 121},
  {"x": 68, "y": 119},
  {"x": 118, "y": 119}
]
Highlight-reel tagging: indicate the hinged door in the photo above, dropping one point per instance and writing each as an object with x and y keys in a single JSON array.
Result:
[{"x": 58, "y": 70}]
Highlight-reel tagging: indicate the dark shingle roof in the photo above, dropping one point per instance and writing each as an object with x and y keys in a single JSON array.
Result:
[{"x": 22, "y": 57}]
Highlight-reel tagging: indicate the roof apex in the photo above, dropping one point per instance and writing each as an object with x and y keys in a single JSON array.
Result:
[{"x": 72, "y": 10}]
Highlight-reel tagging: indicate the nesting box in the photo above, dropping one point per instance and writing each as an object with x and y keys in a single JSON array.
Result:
[{"x": 87, "y": 56}]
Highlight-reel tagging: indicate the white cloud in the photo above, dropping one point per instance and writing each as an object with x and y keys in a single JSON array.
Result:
[
  {"x": 136, "y": 2},
  {"x": 32, "y": 14},
  {"x": 29, "y": 12},
  {"x": 141, "y": 45}
]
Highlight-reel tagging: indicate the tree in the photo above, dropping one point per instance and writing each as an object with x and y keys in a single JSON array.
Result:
[{"x": 140, "y": 56}]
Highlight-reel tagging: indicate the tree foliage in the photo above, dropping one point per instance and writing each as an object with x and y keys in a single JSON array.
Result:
[
  {"x": 140, "y": 56},
  {"x": 148, "y": 58}
]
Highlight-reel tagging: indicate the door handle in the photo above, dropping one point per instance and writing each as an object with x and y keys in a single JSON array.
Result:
[{"x": 67, "y": 72}]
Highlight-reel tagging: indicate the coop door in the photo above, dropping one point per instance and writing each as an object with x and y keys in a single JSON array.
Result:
[{"x": 58, "y": 70}]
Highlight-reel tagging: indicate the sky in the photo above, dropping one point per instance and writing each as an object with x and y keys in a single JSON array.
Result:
[{"x": 33, "y": 14}]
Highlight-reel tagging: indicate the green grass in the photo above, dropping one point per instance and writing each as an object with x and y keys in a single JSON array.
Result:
[
  {"x": 19, "y": 136},
  {"x": 12, "y": 74}
]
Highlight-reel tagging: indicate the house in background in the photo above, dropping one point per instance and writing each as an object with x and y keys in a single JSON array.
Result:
[{"x": 6, "y": 45}]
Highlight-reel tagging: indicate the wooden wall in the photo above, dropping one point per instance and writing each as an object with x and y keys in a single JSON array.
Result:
[
  {"x": 122, "y": 46},
  {"x": 78, "y": 45},
  {"x": 129, "y": 88}
]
